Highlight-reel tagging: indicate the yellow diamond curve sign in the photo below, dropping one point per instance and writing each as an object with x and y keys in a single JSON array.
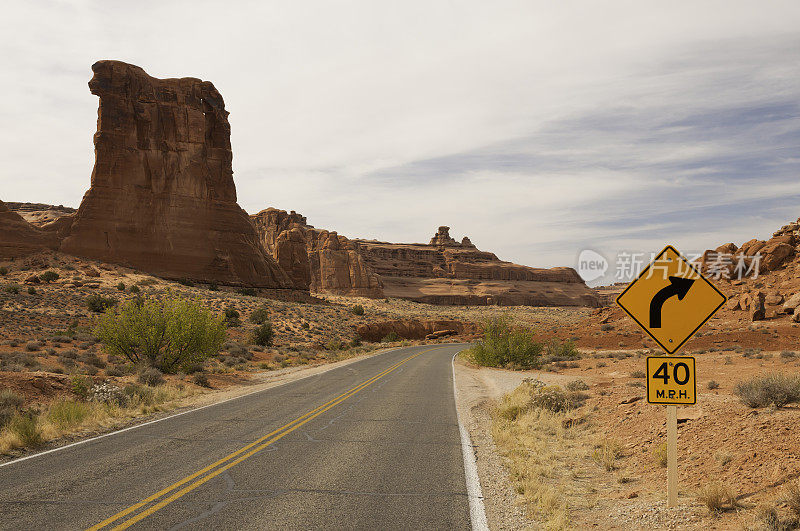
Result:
[{"x": 671, "y": 300}]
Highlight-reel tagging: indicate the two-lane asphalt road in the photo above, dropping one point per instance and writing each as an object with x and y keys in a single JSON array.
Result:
[{"x": 370, "y": 445}]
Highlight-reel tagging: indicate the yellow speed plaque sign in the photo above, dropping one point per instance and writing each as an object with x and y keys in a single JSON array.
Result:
[
  {"x": 670, "y": 300},
  {"x": 671, "y": 380}
]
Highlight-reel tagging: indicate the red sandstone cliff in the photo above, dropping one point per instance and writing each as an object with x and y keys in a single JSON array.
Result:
[
  {"x": 442, "y": 272},
  {"x": 162, "y": 197},
  {"x": 315, "y": 259}
]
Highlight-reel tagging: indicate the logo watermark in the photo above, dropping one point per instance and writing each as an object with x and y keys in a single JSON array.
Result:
[{"x": 629, "y": 265}]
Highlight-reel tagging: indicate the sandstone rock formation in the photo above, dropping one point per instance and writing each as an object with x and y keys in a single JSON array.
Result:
[
  {"x": 774, "y": 253},
  {"x": 162, "y": 197},
  {"x": 446, "y": 272},
  {"x": 40, "y": 214},
  {"x": 315, "y": 259},
  {"x": 442, "y": 272},
  {"x": 19, "y": 238}
]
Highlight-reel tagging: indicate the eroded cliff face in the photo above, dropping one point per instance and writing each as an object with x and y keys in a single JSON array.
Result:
[
  {"x": 452, "y": 273},
  {"x": 443, "y": 272},
  {"x": 316, "y": 259},
  {"x": 162, "y": 196}
]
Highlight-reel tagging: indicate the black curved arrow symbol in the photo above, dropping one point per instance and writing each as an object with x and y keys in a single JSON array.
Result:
[{"x": 677, "y": 286}]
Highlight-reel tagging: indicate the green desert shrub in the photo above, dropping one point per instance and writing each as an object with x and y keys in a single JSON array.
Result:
[
  {"x": 121, "y": 286},
  {"x": 259, "y": 316},
  {"x": 11, "y": 288},
  {"x": 776, "y": 389},
  {"x": 3, "y": 271},
  {"x": 357, "y": 310},
  {"x": 391, "y": 337},
  {"x": 134, "y": 289},
  {"x": 49, "y": 276},
  {"x": 232, "y": 318},
  {"x": 99, "y": 304},
  {"x": 263, "y": 334},
  {"x": 168, "y": 335},
  {"x": 504, "y": 345}
]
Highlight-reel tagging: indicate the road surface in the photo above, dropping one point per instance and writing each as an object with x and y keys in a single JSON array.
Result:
[{"x": 370, "y": 445}]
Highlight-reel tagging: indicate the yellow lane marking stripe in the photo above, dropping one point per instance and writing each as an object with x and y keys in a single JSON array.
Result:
[{"x": 289, "y": 427}]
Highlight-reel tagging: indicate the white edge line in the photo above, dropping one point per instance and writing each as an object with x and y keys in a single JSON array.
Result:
[
  {"x": 477, "y": 511},
  {"x": 129, "y": 428}
]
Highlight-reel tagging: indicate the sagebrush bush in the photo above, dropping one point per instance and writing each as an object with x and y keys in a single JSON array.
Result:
[
  {"x": 391, "y": 337},
  {"x": 776, "y": 389},
  {"x": 151, "y": 377},
  {"x": 505, "y": 346},
  {"x": 9, "y": 404},
  {"x": 49, "y": 276},
  {"x": 167, "y": 335},
  {"x": 3, "y": 271},
  {"x": 99, "y": 304},
  {"x": 259, "y": 316},
  {"x": 232, "y": 318},
  {"x": 201, "y": 379},
  {"x": 263, "y": 334},
  {"x": 357, "y": 310}
]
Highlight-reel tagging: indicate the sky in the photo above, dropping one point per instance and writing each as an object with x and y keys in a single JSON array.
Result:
[{"x": 538, "y": 129}]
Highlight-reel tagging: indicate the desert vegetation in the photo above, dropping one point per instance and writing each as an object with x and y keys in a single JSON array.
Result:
[
  {"x": 511, "y": 346},
  {"x": 541, "y": 432},
  {"x": 167, "y": 335}
]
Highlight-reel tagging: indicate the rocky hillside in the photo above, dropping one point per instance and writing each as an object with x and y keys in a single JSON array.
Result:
[{"x": 770, "y": 284}]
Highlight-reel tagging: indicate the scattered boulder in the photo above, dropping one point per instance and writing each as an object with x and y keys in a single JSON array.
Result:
[
  {"x": 757, "y": 311},
  {"x": 792, "y": 303},
  {"x": 774, "y": 254}
]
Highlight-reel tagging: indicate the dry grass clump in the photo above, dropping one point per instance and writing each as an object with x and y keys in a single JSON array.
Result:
[
  {"x": 717, "y": 497},
  {"x": 776, "y": 389},
  {"x": 544, "y": 447},
  {"x": 94, "y": 408},
  {"x": 607, "y": 452},
  {"x": 660, "y": 455}
]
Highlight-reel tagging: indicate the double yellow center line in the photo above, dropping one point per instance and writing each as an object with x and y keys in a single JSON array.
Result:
[{"x": 189, "y": 483}]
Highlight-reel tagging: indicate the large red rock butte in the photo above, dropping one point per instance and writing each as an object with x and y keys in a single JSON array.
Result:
[
  {"x": 162, "y": 197},
  {"x": 441, "y": 272}
]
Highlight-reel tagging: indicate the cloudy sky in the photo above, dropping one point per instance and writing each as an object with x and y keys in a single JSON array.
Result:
[{"x": 536, "y": 128}]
